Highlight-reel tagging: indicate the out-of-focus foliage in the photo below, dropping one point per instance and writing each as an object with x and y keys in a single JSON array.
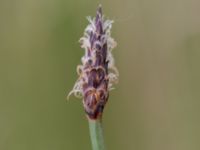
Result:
[{"x": 154, "y": 107}]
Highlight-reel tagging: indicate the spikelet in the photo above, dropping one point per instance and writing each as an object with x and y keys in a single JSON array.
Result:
[{"x": 98, "y": 73}]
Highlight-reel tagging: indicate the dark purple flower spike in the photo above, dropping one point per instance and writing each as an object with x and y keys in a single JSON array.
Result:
[{"x": 98, "y": 73}]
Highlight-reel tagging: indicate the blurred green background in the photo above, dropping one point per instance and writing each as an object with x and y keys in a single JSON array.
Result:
[{"x": 156, "y": 105}]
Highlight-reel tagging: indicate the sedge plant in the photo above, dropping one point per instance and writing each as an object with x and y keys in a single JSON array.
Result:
[{"x": 97, "y": 74}]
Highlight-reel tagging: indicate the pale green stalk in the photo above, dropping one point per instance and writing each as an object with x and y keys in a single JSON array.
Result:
[{"x": 96, "y": 134}]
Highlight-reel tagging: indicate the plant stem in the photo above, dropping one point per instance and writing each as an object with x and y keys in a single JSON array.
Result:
[{"x": 96, "y": 134}]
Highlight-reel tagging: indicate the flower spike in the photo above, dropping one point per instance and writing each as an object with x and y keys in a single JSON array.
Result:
[{"x": 98, "y": 73}]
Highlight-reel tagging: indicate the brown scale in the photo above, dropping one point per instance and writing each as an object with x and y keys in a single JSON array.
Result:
[{"x": 95, "y": 92}]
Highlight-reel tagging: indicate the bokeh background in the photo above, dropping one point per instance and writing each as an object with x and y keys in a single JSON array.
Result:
[{"x": 156, "y": 105}]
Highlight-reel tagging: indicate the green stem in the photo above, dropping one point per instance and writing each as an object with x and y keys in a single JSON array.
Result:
[{"x": 96, "y": 134}]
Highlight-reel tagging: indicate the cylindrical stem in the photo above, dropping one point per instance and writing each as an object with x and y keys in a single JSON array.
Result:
[{"x": 96, "y": 134}]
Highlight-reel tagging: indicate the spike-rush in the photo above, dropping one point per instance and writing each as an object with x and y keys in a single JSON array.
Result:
[{"x": 98, "y": 73}]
